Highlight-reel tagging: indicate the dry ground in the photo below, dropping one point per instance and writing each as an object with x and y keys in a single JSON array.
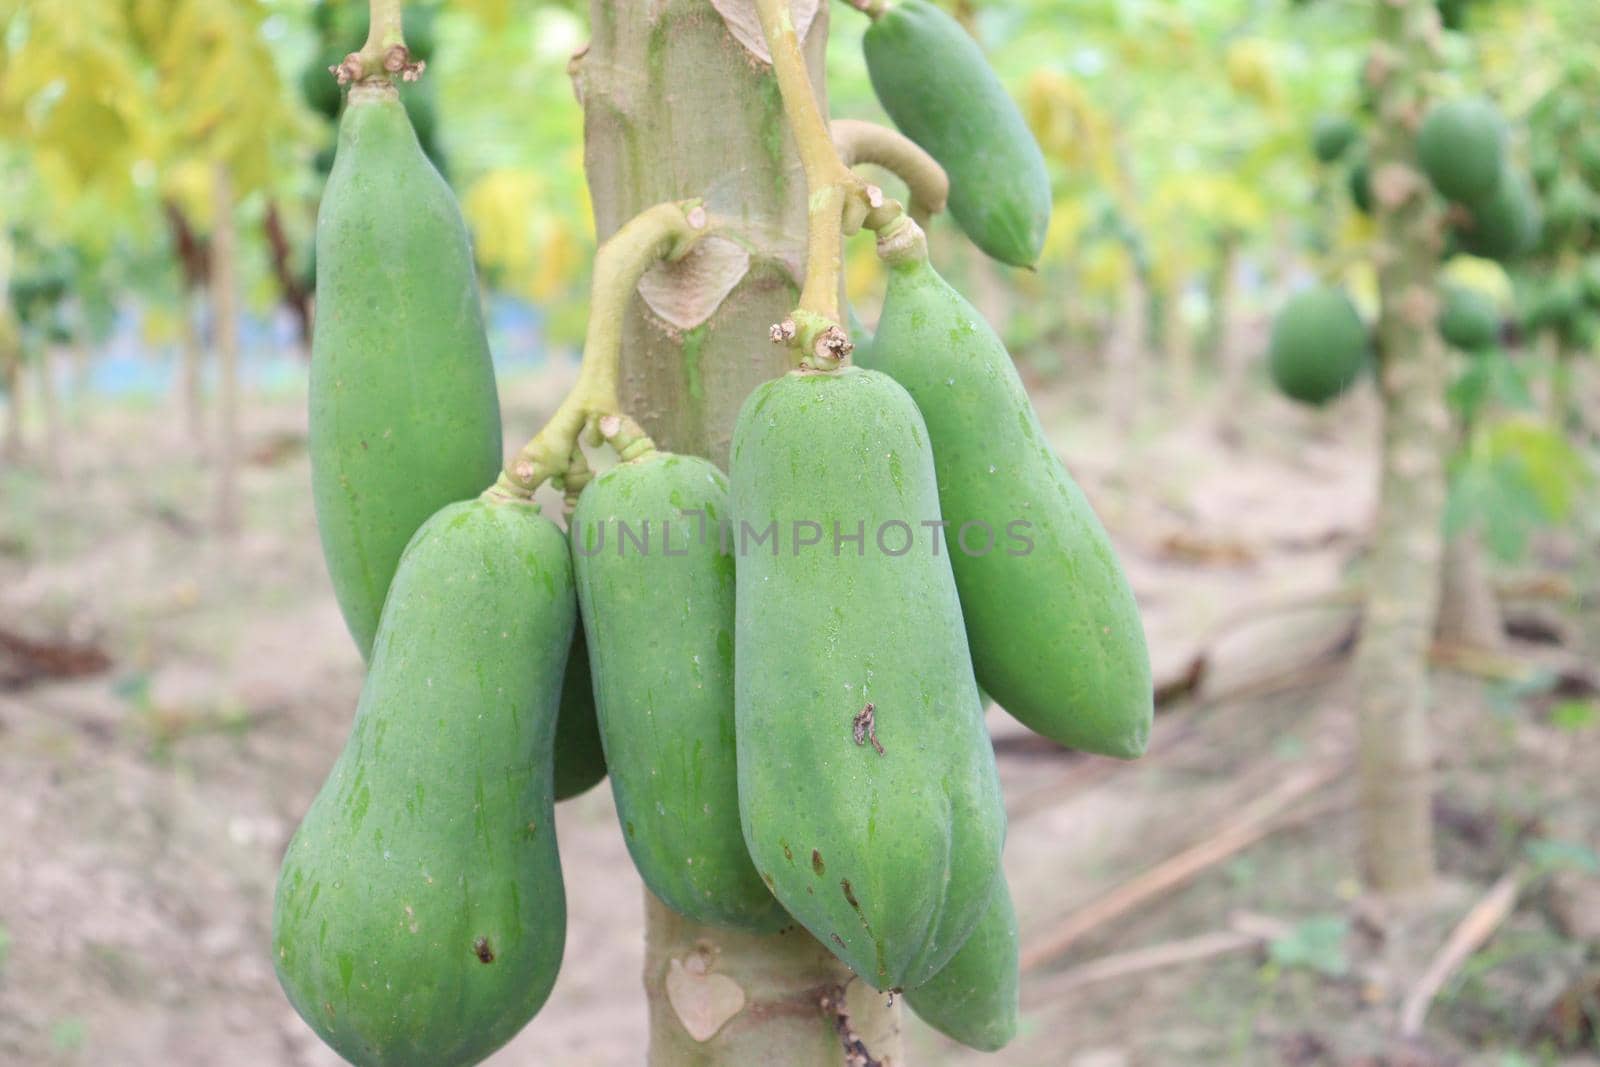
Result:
[{"x": 145, "y": 807}]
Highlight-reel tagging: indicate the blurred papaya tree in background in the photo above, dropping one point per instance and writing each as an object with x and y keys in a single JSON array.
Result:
[{"x": 1176, "y": 131}]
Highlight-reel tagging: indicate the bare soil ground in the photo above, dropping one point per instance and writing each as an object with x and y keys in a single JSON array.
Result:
[{"x": 145, "y": 805}]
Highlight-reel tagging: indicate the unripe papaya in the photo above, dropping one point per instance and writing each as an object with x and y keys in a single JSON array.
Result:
[
  {"x": 580, "y": 761},
  {"x": 1332, "y": 136},
  {"x": 974, "y": 999},
  {"x": 1319, "y": 346},
  {"x": 404, "y": 413},
  {"x": 1054, "y": 628},
  {"x": 1461, "y": 146},
  {"x": 420, "y": 915},
  {"x": 933, "y": 80},
  {"x": 1507, "y": 224},
  {"x": 867, "y": 782},
  {"x": 1360, "y": 182},
  {"x": 656, "y": 588},
  {"x": 1469, "y": 320}
]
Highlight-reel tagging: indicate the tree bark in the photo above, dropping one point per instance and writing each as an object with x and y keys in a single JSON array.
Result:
[
  {"x": 50, "y": 409},
  {"x": 13, "y": 446},
  {"x": 190, "y": 395},
  {"x": 679, "y": 103},
  {"x": 225, "y": 339},
  {"x": 1469, "y": 611},
  {"x": 1391, "y": 659}
]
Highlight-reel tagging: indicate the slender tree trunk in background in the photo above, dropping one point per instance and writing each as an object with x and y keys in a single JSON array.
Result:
[
  {"x": 82, "y": 375},
  {"x": 191, "y": 396},
  {"x": 1562, "y": 411},
  {"x": 50, "y": 409},
  {"x": 676, "y": 105},
  {"x": 1180, "y": 348},
  {"x": 225, "y": 339},
  {"x": 1469, "y": 611},
  {"x": 1391, "y": 659},
  {"x": 12, "y": 448},
  {"x": 1123, "y": 358},
  {"x": 1228, "y": 355}
]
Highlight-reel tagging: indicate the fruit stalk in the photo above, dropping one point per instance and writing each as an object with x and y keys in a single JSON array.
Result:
[
  {"x": 1391, "y": 660},
  {"x": 867, "y": 142},
  {"x": 665, "y": 231},
  {"x": 818, "y": 336},
  {"x": 384, "y": 54}
]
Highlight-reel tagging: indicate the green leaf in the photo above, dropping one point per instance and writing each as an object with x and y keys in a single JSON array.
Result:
[
  {"x": 1317, "y": 944},
  {"x": 1548, "y": 855},
  {"x": 1574, "y": 716}
]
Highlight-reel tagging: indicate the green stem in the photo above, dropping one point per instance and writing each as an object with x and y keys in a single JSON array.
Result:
[
  {"x": 831, "y": 186},
  {"x": 867, "y": 142},
  {"x": 384, "y": 54},
  {"x": 666, "y": 231}
]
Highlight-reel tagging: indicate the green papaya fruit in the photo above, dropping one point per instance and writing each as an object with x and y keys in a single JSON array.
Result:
[
  {"x": 1053, "y": 625},
  {"x": 1453, "y": 13},
  {"x": 1319, "y": 346},
  {"x": 420, "y": 915},
  {"x": 1468, "y": 319},
  {"x": 1461, "y": 146},
  {"x": 974, "y": 998},
  {"x": 1553, "y": 305},
  {"x": 424, "y": 115},
  {"x": 580, "y": 761},
  {"x": 867, "y": 782},
  {"x": 933, "y": 80},
  {"x": 1569, "y": 212},
  {"x": 1332, "y": 136},
  {"x": 1360, "y": 180},
  {"x": 404, "y": 413},
  {"x": 656, "y": 588},
  {"x": 1508, "y": 224}
]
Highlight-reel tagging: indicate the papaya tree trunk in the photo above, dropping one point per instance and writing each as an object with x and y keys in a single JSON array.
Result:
[
  {"x": 1391, "y": 659},
  {"x": 1469, "y": 611},
  {"x": 12, "y": 448},
  {"x": 679, "y": 101},
  {"x": 190, "y": 397},
  {"x": 225, "y": 339},
  {"x": 50, "y": 409}
]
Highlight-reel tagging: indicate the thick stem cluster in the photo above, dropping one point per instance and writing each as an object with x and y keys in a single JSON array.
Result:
[{"x": 666, "y": 231}]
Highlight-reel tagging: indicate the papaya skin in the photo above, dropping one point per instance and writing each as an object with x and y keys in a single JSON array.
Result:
[
  {"x": 580, "y": 762},
  {"x": 420, "y": 915},
  {"x": 661, "y": 629},
  {"x": 404, "y": 413},
  {"x": 1055, "y": 631},
  {"x": 974, "y": 999},
  {"x": 878, "y": 829},
  {"x": 933, "y": 80}
]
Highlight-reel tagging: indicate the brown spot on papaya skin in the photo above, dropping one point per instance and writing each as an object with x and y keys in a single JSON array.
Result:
[
  {"x": 816, "y": 863},
  {"x": 481, "y": 949},
  {"x": 837, "y": 940},
  {"x": 629, "y": 827},
  {"x": 864, "y": 727},
  {"x": 766, "y": 876},
  {"x": 787, "y": 854},
  {"x": 849, "y": 894}
]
